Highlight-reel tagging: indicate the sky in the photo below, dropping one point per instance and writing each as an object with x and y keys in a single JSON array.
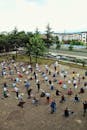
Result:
[{"x": 27, "y": 15}]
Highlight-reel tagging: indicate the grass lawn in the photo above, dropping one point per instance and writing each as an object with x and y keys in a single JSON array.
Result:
[{"x": 25, "y": 58}]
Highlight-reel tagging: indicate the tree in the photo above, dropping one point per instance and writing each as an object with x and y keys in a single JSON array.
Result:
[
  {"x": 71, "y": 47},
  {"x": 58, "y": 45},
  {"x": 22, "y": 39},
  {"x": 13, "y": 39},
  {"x": 29, "y": 48},
  {"x": 83, "y": 62},
  {"x": 15, "y": 31},
  {"x": 86, "y": 45},
  {"x": 49, "y": 38},
  {"x": 2, "y": 42},
  {"x": 35, "y": 46},
  {"x": 76, "y": 42},
  {"x": 38, "y": 45},
  {"x": 37, "y": 31}
]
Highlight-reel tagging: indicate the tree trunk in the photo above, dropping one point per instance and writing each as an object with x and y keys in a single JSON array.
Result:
[
  {"x": 30, "y": 59},
  {"x": 36, "y": 58},
  {"x": 16, "y": 53}
]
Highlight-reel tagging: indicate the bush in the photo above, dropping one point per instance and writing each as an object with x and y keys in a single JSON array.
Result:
[
  {"x": 74, "y": 42},
  {"x": 83, "y": 63},
  {"x": 71, "y": 47},
  {"x": 58, "y": 46},
  {"x": 13, "y": 57}
]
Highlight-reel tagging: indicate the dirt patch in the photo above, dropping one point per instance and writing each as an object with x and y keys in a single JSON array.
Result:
[{"x": 32, "y": 117}]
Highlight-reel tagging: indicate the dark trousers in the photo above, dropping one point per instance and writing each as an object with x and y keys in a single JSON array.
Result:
[
  {"x": 17, "y": 94},
  {"x": 21, "y": 103},
  {"x": 85, "y": 111}
]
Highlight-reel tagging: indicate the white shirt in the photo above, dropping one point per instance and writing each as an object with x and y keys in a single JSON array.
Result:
[
  {"x": 23, "y": 69},
  {"x": 27, "y": 72},
  {"x": 29, "y": 66},
  {"x": 46, "y": 78},
  {"x": 14, "y": 84},
  {"x": 47, "y": 94},
  {"x": 5, "y": 89},
  {"x": 20, "y": 97},
  {"x": 69, "y": 81},
  {"x": 16, "y": 89},
  {"x": 74, "y": 81}
]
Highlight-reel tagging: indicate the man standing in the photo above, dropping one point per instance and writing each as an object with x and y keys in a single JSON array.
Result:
[
  {"x": 38, "y": 85},
  {"x": 84, "y": 107},
  {"x": 21, "y": 102},
  {"x": 17, "y": 91},
  {"x": 27, "y": 85},
  {"x": 53, "y": 106}
]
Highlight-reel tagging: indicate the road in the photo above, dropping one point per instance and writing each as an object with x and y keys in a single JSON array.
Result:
[{"x": 68, "y": 55}]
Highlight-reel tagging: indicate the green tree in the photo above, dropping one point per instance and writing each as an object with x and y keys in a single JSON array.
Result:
[
  {"x": 49, "y": 37},
  {"x": 22, "y": 39},
  {"x": 38, "y": 46},
  {"x": 35, "y": 46},
  {"x": 58, "y": 44},
  {"x": 13, "y": 38},
  {"x": 83, "y": 62},
  {"x": 70, "y": 47},
  {"x": 3, "y": 42},
  {"x": 86, "y": 45},
  {"x": 76, "y": 42},
  {"x": 29, "y": 48},
  {"x": 37, "y": 31}
]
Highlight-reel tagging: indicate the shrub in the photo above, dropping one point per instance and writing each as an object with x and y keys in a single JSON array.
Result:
[{"x": 71, "y": 47}]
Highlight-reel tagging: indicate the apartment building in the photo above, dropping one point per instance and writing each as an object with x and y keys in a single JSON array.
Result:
[
  {"x": 84, "y": 37},
  {"x": 80, "y": 36}
]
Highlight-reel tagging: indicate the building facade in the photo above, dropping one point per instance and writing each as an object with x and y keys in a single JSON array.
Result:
[{"x": 79, "y": 36}]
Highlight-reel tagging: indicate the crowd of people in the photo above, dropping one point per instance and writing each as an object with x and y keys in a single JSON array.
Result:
[{"x": 54, "y": 83}]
